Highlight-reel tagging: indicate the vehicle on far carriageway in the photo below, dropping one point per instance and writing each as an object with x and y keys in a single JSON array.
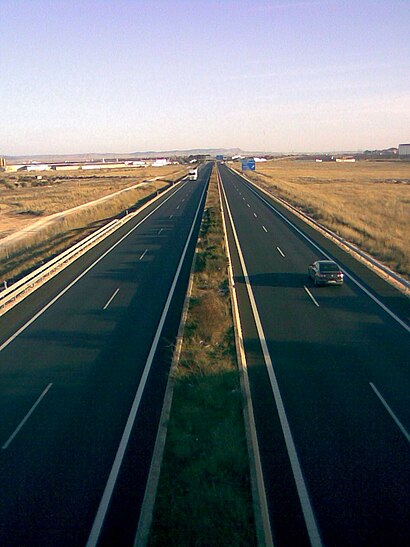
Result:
[
  {"x": 193, "y": 174},
  {"x": 325, "y": 272}
]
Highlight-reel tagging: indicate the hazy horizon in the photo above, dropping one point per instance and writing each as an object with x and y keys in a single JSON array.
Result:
[{"x": 281, "y": 76}]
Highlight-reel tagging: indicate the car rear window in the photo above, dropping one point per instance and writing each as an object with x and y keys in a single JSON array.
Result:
[{"x": 329, "y": 267}]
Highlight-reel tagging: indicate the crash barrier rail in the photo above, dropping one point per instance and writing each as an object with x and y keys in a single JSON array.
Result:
[
  {"x": 13, "y": 294},
  {"x": 388, "y": 274}
]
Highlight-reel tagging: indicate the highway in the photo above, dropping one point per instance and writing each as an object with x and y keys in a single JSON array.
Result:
[
  {"x": 329, "y": 379},
  {"x": 84, "y": 362}
]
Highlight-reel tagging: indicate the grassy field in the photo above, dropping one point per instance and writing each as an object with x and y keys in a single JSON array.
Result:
[
  {"x": 24, "y": 199},
  {"x": 204, "y": 495},
  {"x": 367, "y": 203}
]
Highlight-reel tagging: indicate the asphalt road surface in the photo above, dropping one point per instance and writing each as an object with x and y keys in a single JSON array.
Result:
[
  {"x": 329, "y": 378},
  {"x": 79, "y": 404}
]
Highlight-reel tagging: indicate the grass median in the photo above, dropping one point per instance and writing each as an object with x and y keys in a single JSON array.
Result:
[{"x": 204, "y": 493}]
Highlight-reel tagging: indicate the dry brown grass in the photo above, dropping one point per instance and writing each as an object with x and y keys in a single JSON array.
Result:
[
  {"x": 367, "y": 203},
  {"x": 24, "y": 199}
]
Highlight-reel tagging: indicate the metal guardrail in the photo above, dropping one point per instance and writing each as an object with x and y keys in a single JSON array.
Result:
[{"x": 25, "y": 286}]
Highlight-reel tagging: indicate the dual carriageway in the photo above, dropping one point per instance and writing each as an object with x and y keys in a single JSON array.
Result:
[{"x": 84, "y": 363}]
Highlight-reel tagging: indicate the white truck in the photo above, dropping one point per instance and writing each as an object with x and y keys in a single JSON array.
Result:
[{"x": 193, "y": 174}]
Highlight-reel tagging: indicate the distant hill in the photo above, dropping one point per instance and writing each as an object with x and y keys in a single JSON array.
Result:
[{"x": 61, "y": 158}]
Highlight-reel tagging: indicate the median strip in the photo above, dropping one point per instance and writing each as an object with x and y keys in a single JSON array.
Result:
[{"x": 204, "y": 494}]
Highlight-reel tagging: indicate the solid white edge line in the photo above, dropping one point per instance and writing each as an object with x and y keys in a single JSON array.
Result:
[
  {"x": 280, "y": 251},
  {"x": 317, "y": 247},
  {"x": 262, "y": 520},
  {"x": 112, "y": 479},
  {"x": 311, "y": 296},
  {"x": 307, "y": 510},
  {"x": 59, "y": 295},
  {"x": 111, "y": 299},
  {"x": 390, "y": 411},
  {"x": 27, "y": 416}
]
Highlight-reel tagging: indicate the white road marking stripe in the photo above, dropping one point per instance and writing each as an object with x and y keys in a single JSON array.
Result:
[
  {"x": 7, "y": 444},
  {"x": 265, "y": 229},
  {"x": 390, "y": 411},
  {"x": 143, "y": 254},
  {"x": 326, "y": 255},
  {"x": 111, "y": 299},
  {"x": 248, "y": 204},
  {"x": 160, "y": 231},
  {"x": 85, "y": 272},
  {"x": 311, "y": 296},
  {"x": 112, "y": 479},
  {"x": 263, "y": 513},
  {"x": 178, "y": 207},
  {"x": 170, "y": 216},
  {"x": 280, "y": 251},
  {"x": 307, "y": 510},
  {"x": 255, "y": 215}
]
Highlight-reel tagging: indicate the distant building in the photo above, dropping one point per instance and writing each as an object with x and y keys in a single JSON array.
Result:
[
  {"x": 160, "y": 162},
  {"x": 404, "y": 151},
  {"x": 38, "y": 167}
]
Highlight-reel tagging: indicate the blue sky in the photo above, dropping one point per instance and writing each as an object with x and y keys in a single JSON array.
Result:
[{"x": 130, "y": 75}]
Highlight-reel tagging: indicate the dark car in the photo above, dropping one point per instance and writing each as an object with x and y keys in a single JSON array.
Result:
[{"x": 325, "y": 272}]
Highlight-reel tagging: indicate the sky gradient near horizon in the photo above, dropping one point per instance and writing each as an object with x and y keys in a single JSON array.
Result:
[{"x": 262, "y": 75}]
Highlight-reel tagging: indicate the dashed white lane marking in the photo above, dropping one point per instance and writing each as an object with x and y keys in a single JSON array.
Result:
[
  {"x": 170, "y": 216},
  {"x": 352, "y": 278},
  {"x": 111, "y": 299},
  {"x": 280, "y": 251},
  {"x": 115, "y": 470},
  {"x": 390, "y": 411},
  {"x": 311, "y": 296},
  {"x": 248, "y": 204},
  {"x": 143, "y": 254},
  {"x": 307, "y": 509},
  {"x": 160, "y": 230},
  {"x": 27, "y": 416},
  {"x": 255, "y": 215},
  {"x": 265, "y": 229}
]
